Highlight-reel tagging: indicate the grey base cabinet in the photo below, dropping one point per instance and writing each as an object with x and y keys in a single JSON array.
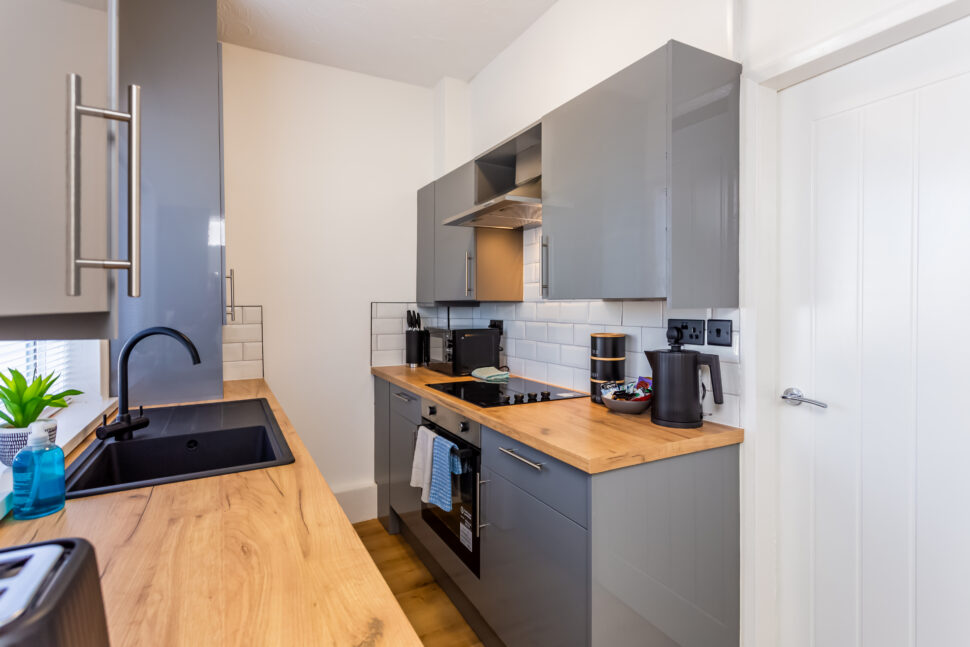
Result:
[
  {"x": 404, "y": 418},
  {"x": 534, "y": 569},
  {"x": 643, "y": 556},
  {"x": 382, "y": 452}
]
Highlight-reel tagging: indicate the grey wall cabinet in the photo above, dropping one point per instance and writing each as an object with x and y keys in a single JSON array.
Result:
[
  {"x": 640, "y": 182},
  {"x": 382, "y": 452},
  {"x": 534, "y": 569},
  {"x": 454, "y": 247},
  {"x": 426, "y": 252},
  {"x": 43, "y": 42},
  {"x": 405, "y": 416}
]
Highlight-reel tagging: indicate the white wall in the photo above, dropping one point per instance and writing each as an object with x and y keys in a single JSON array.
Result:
[
  {"x": 577, "y": 44},
  {"x": 775, "y": 29},
  {"x": 452, "y": 123},
  {"x": 321, "y": 168}
]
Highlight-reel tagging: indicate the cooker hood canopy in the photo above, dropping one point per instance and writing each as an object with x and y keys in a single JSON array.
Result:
[{"x": 520, "y": 207}]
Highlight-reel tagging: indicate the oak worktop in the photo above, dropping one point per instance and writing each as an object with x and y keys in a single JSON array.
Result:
[
  {"x": 579, "y": 432},
  {"x": 265, "y": 557}
]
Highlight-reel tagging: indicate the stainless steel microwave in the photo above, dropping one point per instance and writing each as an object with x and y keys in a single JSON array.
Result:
[{"x": 459, "y": 351}]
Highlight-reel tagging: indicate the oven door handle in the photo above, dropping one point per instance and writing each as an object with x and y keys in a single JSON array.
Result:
[{"x": 478, "y": 504}]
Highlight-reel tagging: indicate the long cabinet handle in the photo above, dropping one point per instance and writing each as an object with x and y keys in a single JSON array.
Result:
[
  {"x": 478, "y": 505},
  {"x": 76, "y": 110},
  {"x": 401, "y": 397},
  {"x": 544, "y": 269},
  {"x": 468, "y": 258},
  {"x": 511, "y": 452},
  {"x": 232, "y": 294}
]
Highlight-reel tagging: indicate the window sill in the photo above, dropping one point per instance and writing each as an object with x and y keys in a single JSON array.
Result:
[{"x": 74, "y": 424}]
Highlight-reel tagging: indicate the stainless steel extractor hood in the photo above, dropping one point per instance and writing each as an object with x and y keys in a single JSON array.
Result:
[{"x": 520, "y": 207}]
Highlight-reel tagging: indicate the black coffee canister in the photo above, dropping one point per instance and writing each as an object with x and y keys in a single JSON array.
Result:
[
  {"x": 416, "y": 347},
  {"x": 607, "y": 369},
  {"x": 607, "y": 361},
  {"x": 607, "y": 344}
]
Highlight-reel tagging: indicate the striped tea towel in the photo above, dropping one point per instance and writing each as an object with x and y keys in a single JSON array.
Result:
[{"x": 444, "y": 463}]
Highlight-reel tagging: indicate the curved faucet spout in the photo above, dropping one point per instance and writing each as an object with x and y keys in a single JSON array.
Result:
[{"x": 126, "y": 351}]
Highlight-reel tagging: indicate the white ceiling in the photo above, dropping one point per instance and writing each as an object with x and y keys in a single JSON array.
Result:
[{"x": 416, "y": 41}]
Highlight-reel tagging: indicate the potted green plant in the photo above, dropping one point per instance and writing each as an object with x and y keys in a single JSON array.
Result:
[{"x": 23, "y": 403}]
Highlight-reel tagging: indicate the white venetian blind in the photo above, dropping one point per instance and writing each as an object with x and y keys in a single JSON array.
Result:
[{"x": 40, "y": 358}]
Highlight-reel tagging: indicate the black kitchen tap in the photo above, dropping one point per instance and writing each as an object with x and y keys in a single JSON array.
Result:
[{"x": 124, "y": 424}]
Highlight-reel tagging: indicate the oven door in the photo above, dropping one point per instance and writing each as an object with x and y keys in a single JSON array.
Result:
[{"x": 459, "y": 527}]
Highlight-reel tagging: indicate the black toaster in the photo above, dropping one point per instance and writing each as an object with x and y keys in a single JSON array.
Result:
[{"x": 50, "y": 596}]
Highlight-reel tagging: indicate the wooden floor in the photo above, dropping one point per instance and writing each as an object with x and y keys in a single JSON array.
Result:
[{"x": 432, "y": 614}]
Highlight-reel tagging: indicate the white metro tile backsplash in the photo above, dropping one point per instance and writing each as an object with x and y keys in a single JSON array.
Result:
[
  {"x": 242, "y": 344},
  {"x": 550, "y": 340}
]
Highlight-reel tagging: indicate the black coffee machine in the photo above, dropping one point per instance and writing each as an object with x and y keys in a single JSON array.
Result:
[{"x": 676, "y": 383}]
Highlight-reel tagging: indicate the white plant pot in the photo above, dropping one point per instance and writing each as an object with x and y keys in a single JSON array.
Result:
[{"x": 13, "y": 440}]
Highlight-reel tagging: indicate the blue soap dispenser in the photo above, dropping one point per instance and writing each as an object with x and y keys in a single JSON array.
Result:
[{"x": 38, "y": 476}]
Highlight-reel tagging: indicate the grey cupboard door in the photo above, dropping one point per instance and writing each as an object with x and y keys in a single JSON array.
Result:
[
  {"x": 604, "y": 178},
  {"x": 41, "y": 42},
  {"x": 382, "y": 449},
  {"x": 426, "y": 219},
  {"x": 405, "y": 500},
  {"x": 704, "y": 167},
  {"x": 534, "y": 569},
  {"x": 454, "y": 247}
]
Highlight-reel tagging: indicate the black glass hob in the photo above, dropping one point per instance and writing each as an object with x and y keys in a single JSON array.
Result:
[{"x": 499, "y": 394}]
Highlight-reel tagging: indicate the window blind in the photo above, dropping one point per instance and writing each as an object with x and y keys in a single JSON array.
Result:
[{"x": 34, "y": 358}]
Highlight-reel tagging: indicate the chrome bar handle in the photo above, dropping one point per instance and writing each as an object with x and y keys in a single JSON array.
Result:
[
  {"x": 544, "y": 269},
  {"x": 795, "y": 398},
  {"x": 478, "y": 504},
  {"x": 76, "y": 110},
  {"x": 511, "y": 452},
  {"x": 468, "y": 258},
  {"x": 232, "y": 293},
  {"x": 400, "y": 396}
]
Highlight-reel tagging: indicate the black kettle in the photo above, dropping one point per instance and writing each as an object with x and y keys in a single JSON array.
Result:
[{"x": 676, "y": 383}]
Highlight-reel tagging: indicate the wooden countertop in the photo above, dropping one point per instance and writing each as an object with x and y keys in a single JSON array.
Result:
[
  {"x": 579, "y": 432},
  {"x": 265, "y": 557}
]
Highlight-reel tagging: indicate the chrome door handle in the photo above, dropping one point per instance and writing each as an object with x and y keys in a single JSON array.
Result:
[
  {"x": 468, "y": 258},
  {"x": 478, "y": 504},
  {"x": 232, "y": 294},
  {"x": 795, "y": 397},
  {"x": 400, "y": 396},
  {"x": 75, "y": 110},
  {"x": 511, "y": 452},
  {"x": 544, "y": 269}
]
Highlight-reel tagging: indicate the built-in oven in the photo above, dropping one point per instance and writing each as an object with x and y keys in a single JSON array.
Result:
[{"x": 459, "y": 527}]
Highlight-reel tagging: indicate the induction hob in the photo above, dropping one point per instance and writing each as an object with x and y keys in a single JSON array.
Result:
[{"x": 500, "y": 394}]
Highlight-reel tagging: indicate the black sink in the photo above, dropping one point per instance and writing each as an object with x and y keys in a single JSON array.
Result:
[{"x": 182, "y": 443}]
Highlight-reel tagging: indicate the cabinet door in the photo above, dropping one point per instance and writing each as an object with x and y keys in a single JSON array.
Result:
[
  {"x": 534, "y": 569},
  {"x": 604, "y": 179},
  {"x": 405, "y": 500},
  {"x": 41, "y": 42},
  {"x": 382, "y": 450},
  {"x": 454, "y": 247},
  {"x": 425, "y": 278}
]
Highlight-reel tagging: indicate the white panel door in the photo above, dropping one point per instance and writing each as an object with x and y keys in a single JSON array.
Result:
[{"x": 874, "y": 248}]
